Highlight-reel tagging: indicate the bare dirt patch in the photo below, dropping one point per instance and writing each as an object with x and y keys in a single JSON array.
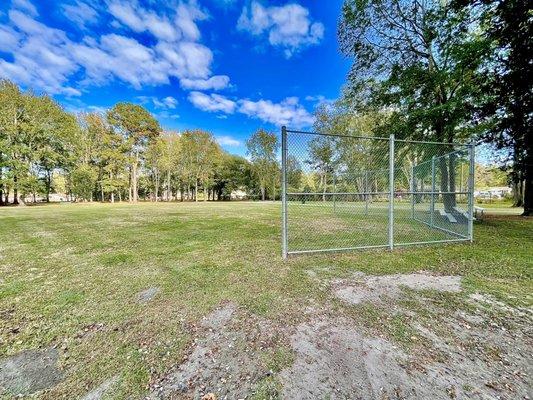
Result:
[
  {"x": 455, "y": 354},
  {"x": 335, "y": 359},
  {"x": 225, "y": 360},
  {"x": 363, "y": 288},
  {"x": 29, "y": 372},
  {"x": 104, "y": 388}
]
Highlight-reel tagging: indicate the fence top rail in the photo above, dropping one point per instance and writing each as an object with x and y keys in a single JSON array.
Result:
[
  {"x": 379, "y": 138},
  {"x": 337, "y": 135}
]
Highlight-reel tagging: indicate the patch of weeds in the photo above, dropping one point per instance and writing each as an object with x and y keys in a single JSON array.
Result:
[
  {"x": 113, "y": 259},
  {"x": 492, "y": 352},
  {"x": 68, "y": 298},
  {"x": 267, "y": 388},
  {"x": 262, "y": 303},
  {"x": 279, "y": 359},
  {"x": 11, "y": 289},
  {"x": 134, "y": 374},
  {"x": 467, "y": 387},
  {"x": 399, "y": 329},
  {"x": 370, "y": 314}
]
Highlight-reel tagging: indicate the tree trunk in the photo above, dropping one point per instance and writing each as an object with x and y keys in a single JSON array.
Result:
[
  {"x": 156, "y": 184},
  {"x": 169, "y": 193},
  {"x": 324, "y": 187},
  {"x": 1, "y": 187},
  {"x": 518, "y": 192},
  {"x": 48, "y": 185},
  {"x": 15, "y": 191},
  {"x": 130, "y": 191},
  {"x": 134, "y": 178},
  {"x": 196, "y": 191},
  {"x": 263, "y": 193},
  {"x": 528, "y": 184}
]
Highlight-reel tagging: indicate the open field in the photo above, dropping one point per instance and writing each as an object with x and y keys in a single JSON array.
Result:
[{"x": 138, "y": 297}]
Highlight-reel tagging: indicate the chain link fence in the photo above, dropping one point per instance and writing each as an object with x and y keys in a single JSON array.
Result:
[{"x": 344, "y": 192}]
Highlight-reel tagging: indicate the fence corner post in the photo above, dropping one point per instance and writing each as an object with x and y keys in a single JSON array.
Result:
[
  {"x": 284, "y": 233},
  {"x": 433, "y": 189},
  {"x": 391, "y": 192},
  {"x": 413, "y": 190},
  {"x": 471, "y": 174}
]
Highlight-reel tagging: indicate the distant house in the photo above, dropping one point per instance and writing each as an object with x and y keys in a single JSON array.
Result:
[
  {"x": 495, "y": 193},
  {"x": 54, "y": 198},
  {"x": 58, "y": 197},
  {"x": 238, "y": 195}
]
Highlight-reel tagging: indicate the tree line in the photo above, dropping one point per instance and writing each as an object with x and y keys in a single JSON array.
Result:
[
  {"x": 122, "y": 154},
  {"x": 445, "y": 71}
]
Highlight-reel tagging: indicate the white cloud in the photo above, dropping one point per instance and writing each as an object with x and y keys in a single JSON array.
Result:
[
  {"x": 288, "y": 112},
  {"x": 319, "y": 100},
  {"x": 288, "y": 27},
  {"x": 212, "y": 103},
  {"x": 9, "y": 39},
  {"x": 167, "y": 115},
  {"x": 169, "y": 102},
  {"x": 26, "y": 6},
  {"x": 80, "y": 13},
  {"x": 228, "y": 141},
  {"x": 164, "y": 103},
  {"x": 215, "y": 82},
  {"x": 139, "y": 19},
  {"x": 46, "y": 58},
  {"x": 40, "y": 56}
]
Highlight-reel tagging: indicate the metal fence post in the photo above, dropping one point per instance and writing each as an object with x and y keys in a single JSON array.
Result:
[
  {"x": 471, "y": 192},
  {"x": 284, "y": 233},
  {"x": 366, "y": 192},
  {"x": 391, "y": 192},
  {"x": 334, "y": 195},
  {"x": 413, "y": 190},
  {"x": 432, "y": 204}
]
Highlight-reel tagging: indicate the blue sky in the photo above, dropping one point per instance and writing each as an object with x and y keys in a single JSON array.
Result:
[{"x": 227, "y": 66}]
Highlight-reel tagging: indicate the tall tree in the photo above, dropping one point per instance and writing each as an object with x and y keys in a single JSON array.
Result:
[
  {"x": 56, "y": 133},
  {"x": 420, "y": 60},
  {"x": 138, "y": 127},
  {"x": 233, "y": 173},
  {"x": 508, "y": 88},
  {"x": 169, "y": 160},
  {"x": 18, "y": 137},
  {"x": 322, "y": 160},
  {"x": 200, "y": 153},
  {"x": 262, "y": 148}
]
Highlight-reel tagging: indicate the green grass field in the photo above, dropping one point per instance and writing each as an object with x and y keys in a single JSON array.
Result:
[{"x": 71, "y": 271}]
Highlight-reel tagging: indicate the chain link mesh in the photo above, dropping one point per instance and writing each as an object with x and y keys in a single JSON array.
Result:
[{"x": 338, "y": 192}]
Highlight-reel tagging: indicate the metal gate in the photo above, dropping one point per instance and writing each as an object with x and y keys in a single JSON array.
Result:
[{"x": 343, "y": 192}]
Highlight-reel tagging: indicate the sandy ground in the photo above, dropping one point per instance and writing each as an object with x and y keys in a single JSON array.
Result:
[{"x": 483, "y": 353}]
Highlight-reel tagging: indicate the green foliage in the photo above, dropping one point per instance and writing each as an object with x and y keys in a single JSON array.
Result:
[
  {"x": 418, "y": 61},
  {"x": 36, "y": 137},
  {"x": 490, "y": 176},
  {"x": 134, "y": 122},
  {"x": 262, "y": 148},
  {"x": 83, "y": 182},
  {"x": 200, "y": 154},
  {"x": 507, "y": 86},
  {"x": 138, "y": 128}
]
